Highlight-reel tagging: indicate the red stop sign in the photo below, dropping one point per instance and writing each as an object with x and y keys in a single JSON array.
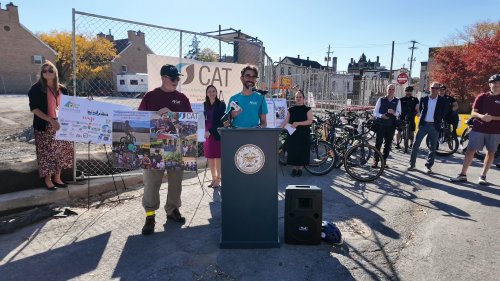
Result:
[{"x": 402, "y": 78}]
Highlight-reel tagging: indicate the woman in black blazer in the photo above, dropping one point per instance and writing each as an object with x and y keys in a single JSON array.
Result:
[
  {"x": 213, "y": 110},
  {"x": 44, "y": 100}
]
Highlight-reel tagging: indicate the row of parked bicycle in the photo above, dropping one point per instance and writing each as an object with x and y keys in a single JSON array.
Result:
[{"x": 342, "y": 139}]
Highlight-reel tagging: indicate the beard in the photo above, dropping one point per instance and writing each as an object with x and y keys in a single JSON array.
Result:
[{"x": 249, "y": 84}]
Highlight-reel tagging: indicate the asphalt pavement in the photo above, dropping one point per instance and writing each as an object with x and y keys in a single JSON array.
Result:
[{"x": 403, "y": 226}]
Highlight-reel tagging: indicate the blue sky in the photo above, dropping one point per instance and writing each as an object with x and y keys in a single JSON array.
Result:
[{"x": 295, "y": 27}]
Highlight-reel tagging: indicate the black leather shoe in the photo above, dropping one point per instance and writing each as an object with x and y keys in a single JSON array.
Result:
[
  {"x": 176, "y": 216},
  {"x": 294, "y": 173},
  {"x": 299, "y": 173},
  {"x": 149, "y": 226},
  {"x": 61, "y": 185},
  {"x": 51, "y": 188}
]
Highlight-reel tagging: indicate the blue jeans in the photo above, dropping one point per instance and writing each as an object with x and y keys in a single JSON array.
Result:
[{"x": 429, "y": 130}]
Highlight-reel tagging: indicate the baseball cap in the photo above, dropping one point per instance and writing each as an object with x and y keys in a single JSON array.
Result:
[
  {"x": 409, "y": 89},
  {"x": 494, "y": 78},
  {"x": 170, "y": 71}
]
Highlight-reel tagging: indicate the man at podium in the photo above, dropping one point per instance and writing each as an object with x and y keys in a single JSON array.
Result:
[{"x": 248, "y": 108}]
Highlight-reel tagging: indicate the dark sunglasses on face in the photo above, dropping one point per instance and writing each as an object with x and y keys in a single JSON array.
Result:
[
  {"x": 173, "y": 79},
  {"x": 50, "y": 70}
]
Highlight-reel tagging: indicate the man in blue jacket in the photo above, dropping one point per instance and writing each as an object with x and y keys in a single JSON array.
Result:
[{"x": 433, "y": 109}]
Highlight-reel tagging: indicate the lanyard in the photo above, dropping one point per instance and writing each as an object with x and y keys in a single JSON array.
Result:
[{"x": 55, "y": 96}]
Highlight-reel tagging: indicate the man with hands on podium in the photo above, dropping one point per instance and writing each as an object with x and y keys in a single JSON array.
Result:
[
  {"x": 164, "y": 99},
  {"x": 248, "y": 108}
]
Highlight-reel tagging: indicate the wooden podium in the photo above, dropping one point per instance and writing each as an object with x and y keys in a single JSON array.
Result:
[{"x": 249, "y": 188}]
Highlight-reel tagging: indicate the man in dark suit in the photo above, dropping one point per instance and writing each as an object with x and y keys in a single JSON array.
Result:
[{"x": 433, "y": 109}]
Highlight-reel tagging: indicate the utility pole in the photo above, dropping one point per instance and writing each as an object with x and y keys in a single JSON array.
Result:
[
  {"x": 392, "y": 59},
  {"x": 411, "y": 58},
  {"x": 328, "y": 58}
]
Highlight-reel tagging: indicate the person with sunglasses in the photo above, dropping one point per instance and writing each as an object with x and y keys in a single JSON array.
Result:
[
  {"x": 409, "y": 109},
  {"x": 44, "y": 100},
  {"x": 485, "y": 130},
  {"x": 251, "y": 107},
  {"x": 164, "y": 99},
  {"x": 433, "y": 109}
]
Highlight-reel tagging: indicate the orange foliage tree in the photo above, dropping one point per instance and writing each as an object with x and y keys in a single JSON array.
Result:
[{"x": 93, "y": 55}]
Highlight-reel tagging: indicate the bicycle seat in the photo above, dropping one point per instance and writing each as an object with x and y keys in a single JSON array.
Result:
[{"x": 349, "y": 128}]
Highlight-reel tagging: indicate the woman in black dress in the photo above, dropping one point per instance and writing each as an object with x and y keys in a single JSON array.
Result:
[{"x": 300, "y": 118}]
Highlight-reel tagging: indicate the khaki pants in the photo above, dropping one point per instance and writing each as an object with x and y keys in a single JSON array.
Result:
[{"x": 152, "y": 183}]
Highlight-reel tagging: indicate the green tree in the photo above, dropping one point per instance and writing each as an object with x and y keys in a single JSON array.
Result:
[
  {"x": 208, "y": 54},
  {"x": 93, "y": 55}
]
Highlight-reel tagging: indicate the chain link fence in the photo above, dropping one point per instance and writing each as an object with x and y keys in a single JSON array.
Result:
[
  {"x": 112, "y": 66},
  {"x": 113, "y": 61}
]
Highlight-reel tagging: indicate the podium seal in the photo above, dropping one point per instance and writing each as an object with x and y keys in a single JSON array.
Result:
[{"x": 249, "y": 159}]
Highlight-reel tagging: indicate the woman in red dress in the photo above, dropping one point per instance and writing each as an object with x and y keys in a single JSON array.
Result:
[{"x": 213, "y": 110}]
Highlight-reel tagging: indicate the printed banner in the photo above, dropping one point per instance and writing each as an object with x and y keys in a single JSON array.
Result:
[
  {"x": 197, "y": 75},
  {"x": 143, "y": 139},
  {"x": 84, "y": 120},
  {"x": 276, "y": 112}
]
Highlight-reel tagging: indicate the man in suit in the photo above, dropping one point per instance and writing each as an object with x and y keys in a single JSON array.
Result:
[{"x": 433, "y": 109}]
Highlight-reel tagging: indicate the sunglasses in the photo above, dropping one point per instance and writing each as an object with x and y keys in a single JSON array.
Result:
[
  {"x": 435, "y": 88},
  {"x": 50, "y": 70},
  {"x": 172, "y": 79}
]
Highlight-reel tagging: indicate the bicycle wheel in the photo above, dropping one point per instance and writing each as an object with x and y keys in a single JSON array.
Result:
[
  {"x": 282, "y": 151},
  {"x": 358, "y": 165},
  {"x": 321, "y": 158},
  {"x": 447, "y": 144}
]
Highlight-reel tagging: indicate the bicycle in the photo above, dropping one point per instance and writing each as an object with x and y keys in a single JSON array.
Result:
[
  {"x": 464, "y": 140},
  {"x": 447, "y": 143},
  {"x": 321, "y": 157},
  {"x": 406, "y": 135}
]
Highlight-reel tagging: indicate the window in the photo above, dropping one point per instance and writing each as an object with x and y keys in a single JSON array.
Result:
[
  {"x": 282, "y": 71},
  {"x": 124, "y": 68},
  {"x": 37, "y": 59},
  {"x": 134, "y": 82},
  {"x": 289, "y": 70},
  {"x": 6, "y": 28},
  {"x": 122, "y": 82}
]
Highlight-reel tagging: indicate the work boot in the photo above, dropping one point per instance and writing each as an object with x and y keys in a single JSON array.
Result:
[
  {"x": 149, "y": 226},
  {"x": 176, "y": 216}
]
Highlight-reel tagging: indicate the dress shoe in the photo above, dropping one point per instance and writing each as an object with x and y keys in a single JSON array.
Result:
[
  {"x": 294, "y": 173},
  {"x": 299, "y": 173},
  {"x": 61, "y": 185},
  {"x": 51, "y": 188}
]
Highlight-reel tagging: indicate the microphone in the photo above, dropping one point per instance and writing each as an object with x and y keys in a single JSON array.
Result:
[{"x": 232, "y": 106}]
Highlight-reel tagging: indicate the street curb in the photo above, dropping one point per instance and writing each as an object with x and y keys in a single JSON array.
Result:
[{"x": 41, "y": 196}]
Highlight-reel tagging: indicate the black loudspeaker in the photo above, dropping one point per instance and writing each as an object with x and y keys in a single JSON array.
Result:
[{"x": 303, "y": 214}]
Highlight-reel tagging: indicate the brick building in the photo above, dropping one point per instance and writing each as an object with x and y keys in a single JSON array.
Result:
[{"x": 21, "y": 53}]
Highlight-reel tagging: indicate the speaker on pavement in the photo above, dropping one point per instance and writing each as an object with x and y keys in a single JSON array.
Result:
[{"x": 303, "y": 214}]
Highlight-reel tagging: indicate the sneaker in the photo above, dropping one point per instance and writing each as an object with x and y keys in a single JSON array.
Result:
[
  {"x": 299, "y": 173},
  {"x": 459, "y": 178},
  {"x": 176, "y": 216},
  {"x": 410, "y": 168},
  {"x": 149, "y": 226},
  {"x": 482, "y": 180},
  {"x": 294, "y": 173}
]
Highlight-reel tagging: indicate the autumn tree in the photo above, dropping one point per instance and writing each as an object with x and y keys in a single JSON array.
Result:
[
  {"x": 468, "y": 59},
  {"x": 93, "y": 55}
]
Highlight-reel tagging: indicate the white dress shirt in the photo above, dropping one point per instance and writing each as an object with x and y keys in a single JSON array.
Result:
[
  {"x": 431, "y": 108},
  {"x": 377, "y": 108}
]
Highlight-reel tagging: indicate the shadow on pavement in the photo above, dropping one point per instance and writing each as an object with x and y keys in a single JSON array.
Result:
[{"x": 60, "y": 264}]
